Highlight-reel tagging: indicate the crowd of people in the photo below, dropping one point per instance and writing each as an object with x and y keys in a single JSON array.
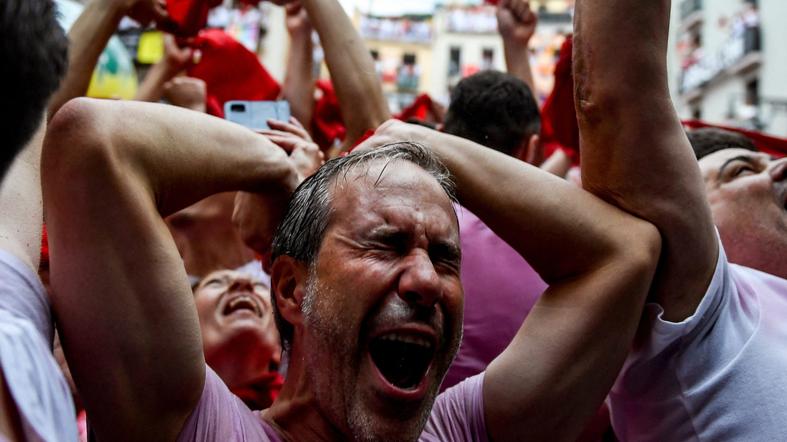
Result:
[{"x": 421, "y": 280}]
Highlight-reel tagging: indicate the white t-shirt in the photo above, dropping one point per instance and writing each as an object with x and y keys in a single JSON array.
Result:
[
  {"x": 721, "y": 374},
  {"x": 34, "y": 379}
]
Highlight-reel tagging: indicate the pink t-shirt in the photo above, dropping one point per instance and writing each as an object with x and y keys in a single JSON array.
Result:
[
  {"x": 457, "y": 415},
  {"x": 500, "y": 289}
]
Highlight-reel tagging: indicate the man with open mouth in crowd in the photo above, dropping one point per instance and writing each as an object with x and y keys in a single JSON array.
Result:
[{"x": 365, "y": 278}]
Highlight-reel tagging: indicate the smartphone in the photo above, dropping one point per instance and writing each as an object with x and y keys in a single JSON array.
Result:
[{"x": 255, "y": 114}]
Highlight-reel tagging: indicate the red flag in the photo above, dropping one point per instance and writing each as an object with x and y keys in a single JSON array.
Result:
[{"x": 230, "y": 71}]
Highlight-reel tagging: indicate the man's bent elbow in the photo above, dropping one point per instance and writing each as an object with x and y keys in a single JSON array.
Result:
[
  {"x": 76, "y": 146},
  {"x": 72, "y": 130},
  {"x": 640, "y": 247}
]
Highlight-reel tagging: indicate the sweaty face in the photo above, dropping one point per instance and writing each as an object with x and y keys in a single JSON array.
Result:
[
  {"x": 234, "y": 309},
  {"x": 747, "y": 192},
  {"x": 383, "y": 309}
]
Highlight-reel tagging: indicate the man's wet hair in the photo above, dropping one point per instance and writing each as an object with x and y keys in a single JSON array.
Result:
[
  {"x": 33, "y": 50},
  {"x": 494, "y": 109},
  {"x": 309, "y": 211},
  {"x": 707, "y": 140}
]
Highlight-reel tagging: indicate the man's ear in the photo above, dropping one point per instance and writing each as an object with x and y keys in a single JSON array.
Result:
[
  {"x": 288, "y": 285},
  {"x": 531, "y": 151}
]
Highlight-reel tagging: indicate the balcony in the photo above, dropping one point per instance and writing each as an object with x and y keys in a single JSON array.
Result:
[
  {"x": 739, "y": 54},
  {"x": 751, "y": 57},
  {"x": 403, "y": 29},
  {"x": 555, "y": 17}
]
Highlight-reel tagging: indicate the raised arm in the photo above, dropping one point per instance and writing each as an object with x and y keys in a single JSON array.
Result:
[
  {"x": 298, "y": 87},
  {"x": 635, "y": 153},
  {"x": 598, "y": 262},
  {"x": 516, "y": 23},
  {"x": 125, "y": 310},
  {"x": 360, "y": 94},
  {"x": 90, "y": 34},
  {"x": 174, "y": 61}
]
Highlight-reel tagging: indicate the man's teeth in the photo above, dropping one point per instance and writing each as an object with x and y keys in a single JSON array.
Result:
[{"x": 408, "y": 339}]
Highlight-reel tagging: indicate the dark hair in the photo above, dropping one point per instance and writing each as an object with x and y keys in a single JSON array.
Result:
[
  {"x": 33, "y": 50},
  {"x": 309, "y": 211},
  {"x": 707, "y": 140},
  {"x": 494, "y": 109}
]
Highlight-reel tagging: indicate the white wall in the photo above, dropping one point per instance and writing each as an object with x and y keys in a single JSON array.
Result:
[{"x": 773, "y": 78}]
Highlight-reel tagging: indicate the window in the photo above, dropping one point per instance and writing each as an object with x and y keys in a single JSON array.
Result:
[
  {"x": 408, "y": 76},
  {"x": 487, "y": 59},
  {"x": 454, "y": 61},
  {"x": 753, "y": 92}
]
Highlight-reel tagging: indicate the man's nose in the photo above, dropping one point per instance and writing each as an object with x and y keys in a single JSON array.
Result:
[
  {"x": 241, "y": 283},
  {"x": 420, "y": 284},
  {"x": 778, "y": 169}
]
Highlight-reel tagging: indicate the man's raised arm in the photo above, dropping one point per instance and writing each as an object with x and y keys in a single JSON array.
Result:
[
  {"x": 598, "y": 262},
  {"x": 125, "y": 310},
  {"x": 516, "y": 23},
  {"x": 298, "y": 86},
  {"x": 635, "y": 153},
  {"x": 358, "y": 89}
]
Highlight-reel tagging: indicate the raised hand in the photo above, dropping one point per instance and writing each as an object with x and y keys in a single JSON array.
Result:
[
  {"x": 176, "y": 57},
  {"x": 297, "y": 20},
  {"x": 516, "y": 21}
]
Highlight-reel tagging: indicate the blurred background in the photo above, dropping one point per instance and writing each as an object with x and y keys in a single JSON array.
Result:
[{"x": 727, "y": 58}]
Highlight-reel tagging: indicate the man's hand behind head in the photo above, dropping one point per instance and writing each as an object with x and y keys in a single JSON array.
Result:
[
  {"x": 304, "y": 154},
  {"x": 394, "y": 131},
  {"x": 257, "y": 215}
]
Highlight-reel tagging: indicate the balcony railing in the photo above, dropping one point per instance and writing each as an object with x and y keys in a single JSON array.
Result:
[
  {"x": 554, "y": 17},
  {"x": 739, "y": 53}
]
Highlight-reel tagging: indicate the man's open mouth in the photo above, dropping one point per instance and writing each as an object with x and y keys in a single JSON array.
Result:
[
  {"x": 242, "y": 303},
  {"x": 403, "y": 359}
]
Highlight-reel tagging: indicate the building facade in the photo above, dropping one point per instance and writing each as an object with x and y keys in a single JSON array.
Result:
[{"x": 728, "y": 62}]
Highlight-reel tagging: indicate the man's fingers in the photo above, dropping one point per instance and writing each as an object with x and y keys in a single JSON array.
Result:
[
  {"x": 290, "y": 128},
  {"x": 295, "y": 122},
  {"x": 518, "y": 10},
  {"x": 303, "y": 131},
  {"x": 287, "y": 142},
  {"x": 372, "y": 142},
  {"x": 277, "y": 133}
]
